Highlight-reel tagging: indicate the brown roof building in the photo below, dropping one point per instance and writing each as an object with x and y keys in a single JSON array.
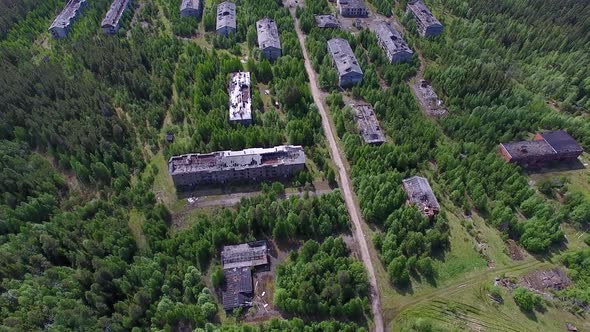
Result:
[{"x": 544, "y": 148}]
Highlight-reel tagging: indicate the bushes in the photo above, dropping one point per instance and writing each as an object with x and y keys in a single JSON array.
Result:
[{"x": 527, "y": 300}]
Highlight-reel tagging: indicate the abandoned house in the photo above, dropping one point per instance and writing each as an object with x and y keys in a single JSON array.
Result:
[
  {"x": 257, "y": 164},
  {"x": 268, "y": 38},
  {"x": 426, "y": 23},
  {"x": 420, "y": 194},
  {"x": 348, "y": 68},
  {"x": 250, "y": 254},
  {"x": 327, "y": 21},
  {"x": 553, "y": 146}
]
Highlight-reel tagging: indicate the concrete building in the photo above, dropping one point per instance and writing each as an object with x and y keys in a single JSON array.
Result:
[
  {"x": 191, "y": 8},
  {"x": 429, "y": 100},
  {"x": 327, "y": 21},
  {"x": 392, "y": 43},
  {"x": 349, "y": 71},
  {"x": 257, "y": 164},
  {"x": 268, "y": 38},
  {"x": 240, "y": 99},
  {"x": 420, "y": 194},
  {"x": 251, "y": 254},
  {"x": 226, "y": 18},
  {"x": 238, "y": 290},
  {"x": 352, "y": 8},
  {"x": 110, "y": 23},
  {"x": 553, "y": 146},
  {"x": 63, "y": 22},
  {"x": 426, "y": 23},
  {"x": 368, "y": 124}
]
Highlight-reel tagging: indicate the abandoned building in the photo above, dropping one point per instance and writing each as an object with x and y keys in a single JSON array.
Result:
[
  {"x": 250, "y": 254},
  {"x": 420, "y": 194},
  {"x": 327, "y": 21},
  {"x": 368, "y": 124},
  {"x": 553, "y": 146},
  {"x": 240, "y": 99},
  {"x": 257, "y": 164},
  {"x": 63, "y": 22},
  {"x": 547, "y": 279},
  {"x": 191, "y": 8},
  {"x": 426, "y": 23},
  {"x": 393, "y": 43},
  {"x": 110, "y": 23},
  {"x": 226, "y": 18},
  {"x": 268, "y": 38},
  {"x": 429, "y": 100},
  {"x": 348, "y": 68},
  {"x": 352, "y": 8},
  {"x": 238, "y": 290}
]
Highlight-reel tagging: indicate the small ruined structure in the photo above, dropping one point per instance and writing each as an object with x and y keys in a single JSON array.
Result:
[
  {"x": 62, "y": 24},
  {"x": 420, "y": 194},
  {"x": 427, "y": 24},
  {"x": 110, "y": 23},
  {"x": 368, "y": 124},
  {"x": 348, "y": 68},
  {"x": 226, "y": 18},
  {"x": 352, "y": 8},
  {"x": 327, "y": 21},
  {"x": 432, "y": 104},
  {"x": 393, "y": 43},
  {"x": 251, "y": 254},
  {"x": 268, "y": 38},
  {"x": 257, "y": 164},
  {"x": 553, "y": 146},
  {"x": 554, "y": 279},
  {"x": 240, "y": 99},
  {"x": 192, "y": 8}
]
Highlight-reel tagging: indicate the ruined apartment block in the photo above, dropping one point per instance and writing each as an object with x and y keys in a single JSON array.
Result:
[
  {"x": 553, "y": 146},
  {"x": 352, "y": 8},
  {"x": 393, "y": 43},
  {"x": 62, "y": 24},
  {"x": 427, "y": 24},
  {"x": 256, "y": 164},
  {"x": 348, "y": 68},
  {"x": 327, "y": 21},
  {"x": 240, "y": 99},
  {"x": 226, "y": 18},
  {"x": 110, "y": 23},
  {"x": 368, "y": 125},
  {"x": 192, "y": 8},
  {"x": 268, "y": 38}
]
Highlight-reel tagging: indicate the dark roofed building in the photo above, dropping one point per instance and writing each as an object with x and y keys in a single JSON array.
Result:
[
  {"x": 327, "y": 21},
  {"x": 110, "y": 23},
  {"x": 238, "y": 289},
  {"x": 426, "y": 23},
  {"x": 420, "y": 194},
  {"x": 546, "y": 147},
  {"x": 191, "y": 8}
]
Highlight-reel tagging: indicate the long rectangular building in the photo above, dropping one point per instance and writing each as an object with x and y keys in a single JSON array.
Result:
[
  {"x": 257, "y": 164},
  {"x": 393, "y": 43},
  {"x": 226, "y": 18},
  {"x": 192, "y": 8},
  {"x": 553, "y": 146},
  {"x": 268, "y": 38},
  {"x": 348, "y": 68},
  {"x": 63, "y": 22},
  {"x": 240, "y": 99},
  {"x": 368, "y": 124},
  {"x": 420, "y": 194},
  {"x": 327, "y": 21},
  {"x": 352, "y": 8},
  {"x": 251, "y": 254},
  {"x": 110, "y": 23},
  {"x": 426, "y": 23}
]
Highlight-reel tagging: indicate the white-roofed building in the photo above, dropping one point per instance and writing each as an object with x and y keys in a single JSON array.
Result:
[
  {"x": 63, "y": 22},
  {"x": 240, "y": 99},
  {"x": 226, "y": 18},
  {"x": 268, "y": 38},
  {"x": 110, "y": 23}
]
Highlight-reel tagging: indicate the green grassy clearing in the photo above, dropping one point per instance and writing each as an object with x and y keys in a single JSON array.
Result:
[{"x": 136, "y": 221}]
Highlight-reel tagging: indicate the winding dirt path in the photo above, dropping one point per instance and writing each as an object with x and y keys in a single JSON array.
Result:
[{"x": 349, "y": 196}]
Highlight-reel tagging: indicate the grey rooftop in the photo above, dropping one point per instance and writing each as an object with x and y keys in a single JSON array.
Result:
[
  {"x": 391, "y": 38},
  {"x": 420, "y": 193},
  {"x": 268, "y": 34},
  {"x": 423, "y": 13},
  {"x": 226, "y": 15},
  {"x": 244, "y": 255},
  {"x": 115, "y": 13},
  {"x": 343, "y": 56},
  {"x": 67, "y": 14}
]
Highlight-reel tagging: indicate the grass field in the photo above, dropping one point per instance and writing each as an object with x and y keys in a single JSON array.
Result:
[{"x": 136, "y": 220}]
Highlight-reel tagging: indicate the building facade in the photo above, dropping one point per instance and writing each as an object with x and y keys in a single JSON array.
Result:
[
  {"x": 240, "y": 98},
  {"x": 553, "y": 146},
  {"x": 257, "y": 164},
  {"x": 352, "y": 8},
  {"x": 226, "y": 18},
  {"x": 426, "y": 23},
  {"x": 268, "y": 38},
  {"x": 62, "y": 24},
  {"x": 110, "y": 23},
  {"x": 392, "y": 43},
  {"x": 347, "y": 66},
  {"x": 192, "y": 8}
]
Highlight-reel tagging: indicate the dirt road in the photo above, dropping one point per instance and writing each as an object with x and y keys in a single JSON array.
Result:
[{"x": 345, "y": 185}]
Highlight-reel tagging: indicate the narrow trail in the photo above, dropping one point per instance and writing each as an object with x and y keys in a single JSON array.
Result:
[{"x": 346, "y": 187}]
